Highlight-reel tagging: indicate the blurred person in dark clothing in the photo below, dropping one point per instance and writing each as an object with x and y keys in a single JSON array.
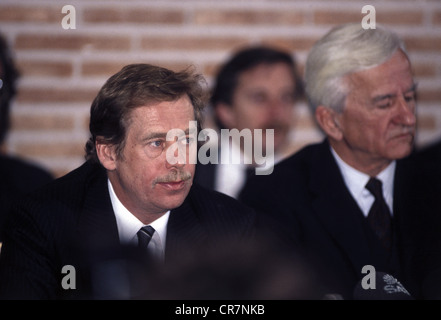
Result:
[
  {"x": 17, "y": 176},
  {"x": 425, "y": 167}
]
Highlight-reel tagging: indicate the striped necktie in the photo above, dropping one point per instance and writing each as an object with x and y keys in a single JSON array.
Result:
[{"x": 145, "y": 234}]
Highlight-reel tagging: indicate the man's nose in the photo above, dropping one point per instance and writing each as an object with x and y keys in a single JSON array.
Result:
[{"x": 407, "y": 111}]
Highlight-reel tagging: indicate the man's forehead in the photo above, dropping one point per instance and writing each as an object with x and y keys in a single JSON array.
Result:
[{"x": 162, "y": 117}]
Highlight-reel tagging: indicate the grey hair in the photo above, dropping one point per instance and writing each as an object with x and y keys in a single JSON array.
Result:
[{"x": 344, "y": 50}]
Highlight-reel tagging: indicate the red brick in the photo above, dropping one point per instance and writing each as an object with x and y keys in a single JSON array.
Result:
[
  {"x": 108, "y": 68},
  {"x": 192, "y": 43},
  {"x": 291, "y": 43},
  {"x": 42, "y": 122},
  {"x": 51, "y": 95},
  {"x": 423, "y": 70},
  {"x": 436, "y": 18},
  {"x": 44, "y": 68},
  {"x": 425, "y": 122},
  {"x": 37, "y": 14},
  {"x": 48, "y": 149},
  {"x": 336, "y": 17},
  {"x": 429, "y": 95},
  {"x": 332, "y": 17},
  {"x": 424, "y": 43},
  {"x": 126, "y": 15},
  {"x": 248, "y": 17},
  {"x": 71, "y": 41},
  {"x": 395, "y": 17}
]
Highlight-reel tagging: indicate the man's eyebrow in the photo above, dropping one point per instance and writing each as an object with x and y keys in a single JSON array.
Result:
[
  {"x": 412, "y": 88},
  {"x": 389, "y": 96},
  {"x": 162, "y": 135},
  {"x": 154, "y": 135}
]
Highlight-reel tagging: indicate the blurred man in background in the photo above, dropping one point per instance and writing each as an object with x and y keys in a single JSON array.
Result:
[{"x": 256, "y": 89}]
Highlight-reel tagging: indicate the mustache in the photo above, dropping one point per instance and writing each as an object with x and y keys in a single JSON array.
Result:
[
  {"x": 404, "y": 130},
  {"x": 173, "y": 176}
]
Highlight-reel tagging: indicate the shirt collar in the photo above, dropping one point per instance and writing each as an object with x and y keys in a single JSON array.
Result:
[
  {"x": 129, "y": 225},
  {"x": 356, "y": 180}
]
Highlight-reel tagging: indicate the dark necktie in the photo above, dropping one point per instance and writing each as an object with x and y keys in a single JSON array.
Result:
[
  {"x": 379, "y": 215},
  {"x": 145, "y": 234}
]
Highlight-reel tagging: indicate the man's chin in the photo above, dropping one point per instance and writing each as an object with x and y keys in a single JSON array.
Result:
[
  {"x": 174, "y": 198},
  {"x": 401, "y": 152}
]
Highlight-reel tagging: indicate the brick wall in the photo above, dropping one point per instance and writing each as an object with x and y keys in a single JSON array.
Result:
[{"x": 62, "y": 70}]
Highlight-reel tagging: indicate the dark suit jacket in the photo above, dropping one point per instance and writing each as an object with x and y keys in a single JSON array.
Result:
[
  {"x": 315, "y": 211},
  {"x": 71, "y": 222},
  {"x": 17, "y": 178},
  {"x": 205, "y": 175},
  {"x": 426, "y": 171}
]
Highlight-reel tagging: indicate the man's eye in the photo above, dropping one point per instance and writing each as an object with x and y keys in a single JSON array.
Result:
[
  {"x": 156, "y": 143},
  {"x": 384, "y": 105},
  {"x": 410, "y": 98}
]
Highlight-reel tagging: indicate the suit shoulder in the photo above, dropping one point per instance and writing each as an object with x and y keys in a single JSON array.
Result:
[
  {"x": 296, "y": 164},
  {"x": 68, "y": 190},
  {"x": 289, "y": 177},
  {"x": 303, "y": 155},
  {"x": 216, "y": 205},
  {"x": 207, "y": 196}
]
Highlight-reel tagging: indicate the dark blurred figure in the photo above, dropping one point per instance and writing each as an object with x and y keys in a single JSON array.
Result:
[
  {"x": 425, "y": 167},
  {"x": 17, "y": 176},
  {"x": 257, "y": 88},
  {"x": 249, "y": 270}
]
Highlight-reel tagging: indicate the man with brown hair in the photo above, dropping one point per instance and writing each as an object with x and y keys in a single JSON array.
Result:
[{"x": 68, "y": 239}]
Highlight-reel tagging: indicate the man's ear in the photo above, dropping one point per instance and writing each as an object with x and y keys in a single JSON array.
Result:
[
  {"x": 328, "y": 120},
  {"x": 225, "y": 114},
  {"x": 106, "y": 154}
]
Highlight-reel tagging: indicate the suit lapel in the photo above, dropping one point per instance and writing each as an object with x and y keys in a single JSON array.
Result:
[
  {"x": 335, "y": 207},
  {"x": 97, "y": 221},
  {"x": 184, "y": 230},
  {"x": 206, "y": 175}
]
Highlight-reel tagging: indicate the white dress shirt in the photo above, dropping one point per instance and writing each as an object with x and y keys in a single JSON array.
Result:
[
  {"x": 230, "y": 173},
  {"x": 356, "y": 181},
  {"x": 129, "y": 225}
]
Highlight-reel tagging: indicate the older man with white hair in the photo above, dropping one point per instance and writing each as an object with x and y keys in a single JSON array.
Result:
[{"x": 344, "y": 201}]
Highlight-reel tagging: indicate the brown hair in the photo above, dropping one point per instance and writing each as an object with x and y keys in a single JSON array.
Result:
[{"x": 134, "y": 86}]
